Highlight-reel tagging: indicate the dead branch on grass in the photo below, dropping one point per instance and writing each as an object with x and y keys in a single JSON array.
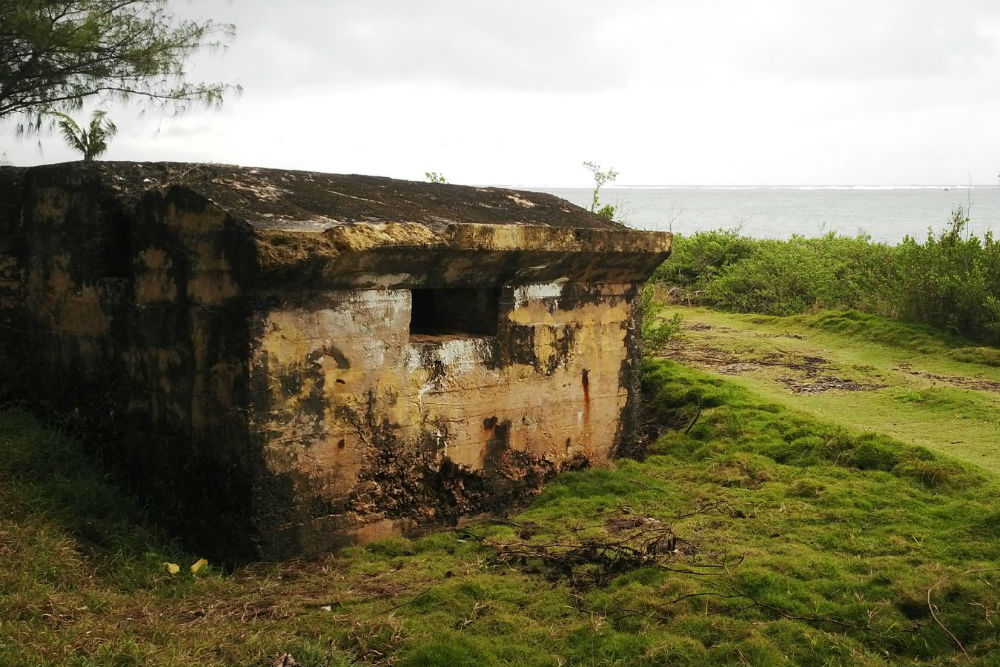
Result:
[
  {"x": 695, "y": 420},
  {"x": 933, "y": 607},
  {"x": 407, "y": 603},
  {"x": 631, "y": 543}
]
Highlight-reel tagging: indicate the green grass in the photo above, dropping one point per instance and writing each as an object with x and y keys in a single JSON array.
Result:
[
  {"x": 913, "y": 405},
  {"x": 799, "y": 542},
  {"x": 913, "y": 337}
]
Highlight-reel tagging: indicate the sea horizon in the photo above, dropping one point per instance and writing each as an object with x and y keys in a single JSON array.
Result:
[
  {"x": 886, "y": 213},
  {"x": 817, "y": 186}
]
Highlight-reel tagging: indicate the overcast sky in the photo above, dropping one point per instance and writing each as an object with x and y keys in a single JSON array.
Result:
[{"x": 666, "y": 91}]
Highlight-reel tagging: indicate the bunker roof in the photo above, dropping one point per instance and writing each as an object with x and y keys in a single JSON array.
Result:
[
  {"x": 285, "y": 199},
  {"x": 335, "y": 229}
]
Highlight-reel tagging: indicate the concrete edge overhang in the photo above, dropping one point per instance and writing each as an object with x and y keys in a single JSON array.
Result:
[
  {"x": 400, "y": 254},
  {"x": 514, "y": 237},
  {"x": 510, "y": 236}
]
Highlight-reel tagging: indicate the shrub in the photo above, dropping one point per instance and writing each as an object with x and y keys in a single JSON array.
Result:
[
  {"x": 657, "y": 329},
  {"x": 950, "y": 281}
]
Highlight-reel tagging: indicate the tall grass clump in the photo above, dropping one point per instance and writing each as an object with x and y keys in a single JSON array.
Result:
[{"x": 951, "y": 280}]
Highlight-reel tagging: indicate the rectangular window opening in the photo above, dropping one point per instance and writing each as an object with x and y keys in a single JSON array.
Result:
[{"x": 454, "y": 312}]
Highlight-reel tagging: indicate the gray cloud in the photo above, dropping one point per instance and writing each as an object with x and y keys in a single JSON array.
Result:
[
  {"x": 853, "y": 41},
  {"x": 586, "y": 46},
  {"x": 547, "y": 46}
]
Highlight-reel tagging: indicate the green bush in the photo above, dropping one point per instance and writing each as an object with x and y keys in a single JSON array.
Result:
[
  {"x": 657, "y": 328},
  {"x": 950, "y": 281},
  {"x": 699, "y": 257}
]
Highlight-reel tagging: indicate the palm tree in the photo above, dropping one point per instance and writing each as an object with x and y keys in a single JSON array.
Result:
[{"x": 92, "y": 141}]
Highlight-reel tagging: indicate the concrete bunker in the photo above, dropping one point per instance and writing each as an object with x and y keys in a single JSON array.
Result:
[{"x": 284, "y": 362}]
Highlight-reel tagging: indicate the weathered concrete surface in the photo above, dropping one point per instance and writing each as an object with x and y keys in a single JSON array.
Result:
[{"x": 283, "y": 362}]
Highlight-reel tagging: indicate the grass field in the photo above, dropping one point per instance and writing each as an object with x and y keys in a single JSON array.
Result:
[
  {"x": 906, "y": 381},
  {"x": 767, "y": 527}
]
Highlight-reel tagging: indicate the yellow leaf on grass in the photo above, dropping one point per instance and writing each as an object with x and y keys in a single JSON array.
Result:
[
  {"x": 197, "y": 565},
  {"x": 173, "y": 568}
]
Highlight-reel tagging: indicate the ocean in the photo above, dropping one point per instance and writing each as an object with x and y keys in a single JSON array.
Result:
[{"x": 886, "y": 213}]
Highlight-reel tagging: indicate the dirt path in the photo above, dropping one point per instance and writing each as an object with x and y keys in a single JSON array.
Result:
[
  {"x": 800, "y": 373},
  {"x": 925, "y": 399},
  {"x": 976, "y": 384}
]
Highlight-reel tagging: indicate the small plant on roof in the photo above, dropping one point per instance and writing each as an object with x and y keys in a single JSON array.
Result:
[
  {"x": 92, "y": 141},
  {"x": 601, "y": 178},
  {"x": 435, "y": 177}
]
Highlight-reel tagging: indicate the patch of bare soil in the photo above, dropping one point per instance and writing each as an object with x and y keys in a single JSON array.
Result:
[
  {"x": 701, "y": 326},
  {"x": 819, "y": 384},
  {"x": 810, "y": 374},
  {"x": 705, "y": 326},
  {"x": 954, "y": 380}
]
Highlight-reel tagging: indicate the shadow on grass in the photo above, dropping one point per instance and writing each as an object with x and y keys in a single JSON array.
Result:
[{"x": 50, "y": 486}]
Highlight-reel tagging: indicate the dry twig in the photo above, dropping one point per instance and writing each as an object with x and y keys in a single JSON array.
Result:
[{"x": 933, "y": 608}]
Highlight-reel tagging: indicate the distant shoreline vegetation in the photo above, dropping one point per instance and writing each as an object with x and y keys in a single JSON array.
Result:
[{"x": 949, "y": 280}]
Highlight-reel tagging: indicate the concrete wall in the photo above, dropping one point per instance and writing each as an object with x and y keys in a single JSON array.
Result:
[
  {"x": 119, "y": 316},
  {"x": 260, "y": 386},
  {"x": 349, "y": 403}
]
